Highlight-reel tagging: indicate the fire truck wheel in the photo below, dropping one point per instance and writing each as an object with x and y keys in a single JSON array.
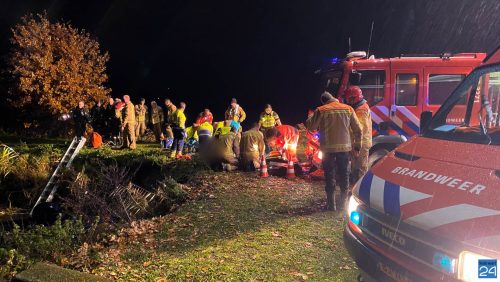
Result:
[{"x": 376, "y": 156}]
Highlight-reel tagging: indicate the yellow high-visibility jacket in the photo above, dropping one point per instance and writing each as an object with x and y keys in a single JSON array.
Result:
[{"x": 365, "y": 119}]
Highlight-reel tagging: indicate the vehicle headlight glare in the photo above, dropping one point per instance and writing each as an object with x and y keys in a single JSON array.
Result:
[{"x": 468, "y": 266}]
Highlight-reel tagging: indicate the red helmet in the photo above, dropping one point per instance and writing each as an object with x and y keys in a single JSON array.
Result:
[{"x": 353, "y": 94}]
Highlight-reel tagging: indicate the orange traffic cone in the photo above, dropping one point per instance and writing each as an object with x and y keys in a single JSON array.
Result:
[
  {"x": 263, "y": 167},
  {"x": 290, "y": 172}
]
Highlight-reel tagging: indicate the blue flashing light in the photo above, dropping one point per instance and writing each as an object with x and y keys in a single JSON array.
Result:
[
  {"x": 355, "y": 217},
  {"x": 444, "y": 262},
  {"x": 334, "y": 60},
  {"x": 316, "y": 135}
]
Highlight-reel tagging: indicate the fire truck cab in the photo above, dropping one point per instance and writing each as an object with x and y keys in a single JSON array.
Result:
[
  {"x": 430, "y": 210},
  {"x": 398, "y": 89}
]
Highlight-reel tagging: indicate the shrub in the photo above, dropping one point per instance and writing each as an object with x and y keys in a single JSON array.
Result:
[{"x": 42, "y": 243}]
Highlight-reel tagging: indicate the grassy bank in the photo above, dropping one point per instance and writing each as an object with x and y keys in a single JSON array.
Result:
[{"x": 244, "y": 228}]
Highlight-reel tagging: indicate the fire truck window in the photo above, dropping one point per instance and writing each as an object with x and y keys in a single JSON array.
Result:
[
  {"x": 372, "y": 84},
  {"x": 441, "y": 86},
  {"x": 406, "y": 89}
]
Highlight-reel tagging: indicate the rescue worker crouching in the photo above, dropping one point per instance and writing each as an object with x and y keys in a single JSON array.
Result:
[
  {"x": 221, "y": 153},
  {"x": 205, "y": 132},
  {"x": 191, "y": 140},
  {"x": 354, "y": 98},
  {"x": 128, "y": 123},
  {"x": 178, "y": 124},
  {"x": 335, "y": 121},
  {"x": 284, "y": 138},
  {"x": 141, "y": 112},
  {"x": 156, "y": 120},
  {"x": 252, "y": 148}
]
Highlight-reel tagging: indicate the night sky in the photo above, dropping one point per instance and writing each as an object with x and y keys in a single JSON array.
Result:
[{"x": 205, "y": 52}]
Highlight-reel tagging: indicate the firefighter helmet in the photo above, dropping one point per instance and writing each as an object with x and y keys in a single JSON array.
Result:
[{"x": 353, "y": 94}]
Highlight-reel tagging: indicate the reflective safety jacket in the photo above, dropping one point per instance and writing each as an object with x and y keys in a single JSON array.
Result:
[
  {"x": 141, "y": 112},
  {"x": 221, "y": 131},
  {"x": 178, "y": 118},
  {"x": 365, "y": 119},
  {"x": 252, "y": 143},
  {"x": 157, "y": 115},
  {"x": 128, "y": 114},
  {"x": 236, "y": 114},
  {"x": 288, "y": 135},
  {"x": 205, "y": 129},
  {"x": 227, "y": 144},
  {"x": 191, "y": 133},
  {"x": 268, "y": 120},
  {"x": 334, "y": 122}
]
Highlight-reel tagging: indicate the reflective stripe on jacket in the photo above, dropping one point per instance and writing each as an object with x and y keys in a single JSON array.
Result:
[
  {"x": 268, "y": 120},
  {"x": 205, "y": 129},
  {"x": 334, "y": 122}
]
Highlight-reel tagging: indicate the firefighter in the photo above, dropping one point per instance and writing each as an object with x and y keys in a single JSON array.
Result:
[
  {"x": 222, "y": 154},
  {"x": 268, "y": 120},
  {"x": 252, "y": 148},
  {"x": 156, "y": 119},
  {"x": 354, "y": 98},
  {"x": 205, "y": 132},
  {"x": 81, "y": 117},
  {"x": 170, "y": 108},
  {"x": 128, "y": 123},
  {"x": 191, "y": 139},
  {"x": 205, "y": 116},
  {"x": 236, "y": 113},
  {"x": 141, "y": 112},
  {"x": 284, "y": 138},
  {"x": 178, "y": 124},
  {"x": 335, "y": 121}
]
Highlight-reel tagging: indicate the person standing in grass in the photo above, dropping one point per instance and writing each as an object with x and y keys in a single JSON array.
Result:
[
  {"x": 128, "y": 124},
  {"x": 156, "y": 119},
  {"x": 141, "y": 112},
  {"x": 179, "y": 130},
  {"x": 80, "y": 117}
]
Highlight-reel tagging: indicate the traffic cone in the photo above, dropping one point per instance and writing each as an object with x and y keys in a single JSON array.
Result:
[
  {"x": 263, "y": 167},
  {"x": 290, "y": 172}
]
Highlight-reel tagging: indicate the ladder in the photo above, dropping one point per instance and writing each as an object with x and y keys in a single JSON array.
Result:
[{"x": 50, "y": 189}]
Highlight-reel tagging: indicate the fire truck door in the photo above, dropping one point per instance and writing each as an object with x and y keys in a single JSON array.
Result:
[
  {"x": 406, "y": 100},
  {"x": 439, "y": 82}
]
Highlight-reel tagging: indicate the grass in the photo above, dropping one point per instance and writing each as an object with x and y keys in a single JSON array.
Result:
[{"x": 244, "y": 229}]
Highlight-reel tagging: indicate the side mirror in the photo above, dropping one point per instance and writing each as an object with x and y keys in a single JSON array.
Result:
[
  {"x": 425, "y": 119},
  {"x": 354, "y": 78}
]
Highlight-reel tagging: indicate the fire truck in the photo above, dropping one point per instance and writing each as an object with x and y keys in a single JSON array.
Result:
[
  {"x": 430, "y": 210},
  {"x": 398, "y": 89}
]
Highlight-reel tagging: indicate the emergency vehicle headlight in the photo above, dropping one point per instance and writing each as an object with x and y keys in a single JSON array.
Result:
[
  {"x": 469, "y": 269},
  {"x": 355, "y": 217},
  {"x": 444, "y": 262},
  {"x": 320, "y": 155}
]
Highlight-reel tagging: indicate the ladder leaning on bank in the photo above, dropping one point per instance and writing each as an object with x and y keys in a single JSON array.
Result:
[{"x": 50, "y": 189}]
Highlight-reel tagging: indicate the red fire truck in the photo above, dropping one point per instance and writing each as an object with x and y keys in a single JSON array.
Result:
[
  {"x": 430, "y": 210},
  {"x": 399, "y": 89}
]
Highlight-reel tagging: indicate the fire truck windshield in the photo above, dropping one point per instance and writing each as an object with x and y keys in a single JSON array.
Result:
[
  {"x": 332, "y": 80},
  {"x": 477, "y": 120}
]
